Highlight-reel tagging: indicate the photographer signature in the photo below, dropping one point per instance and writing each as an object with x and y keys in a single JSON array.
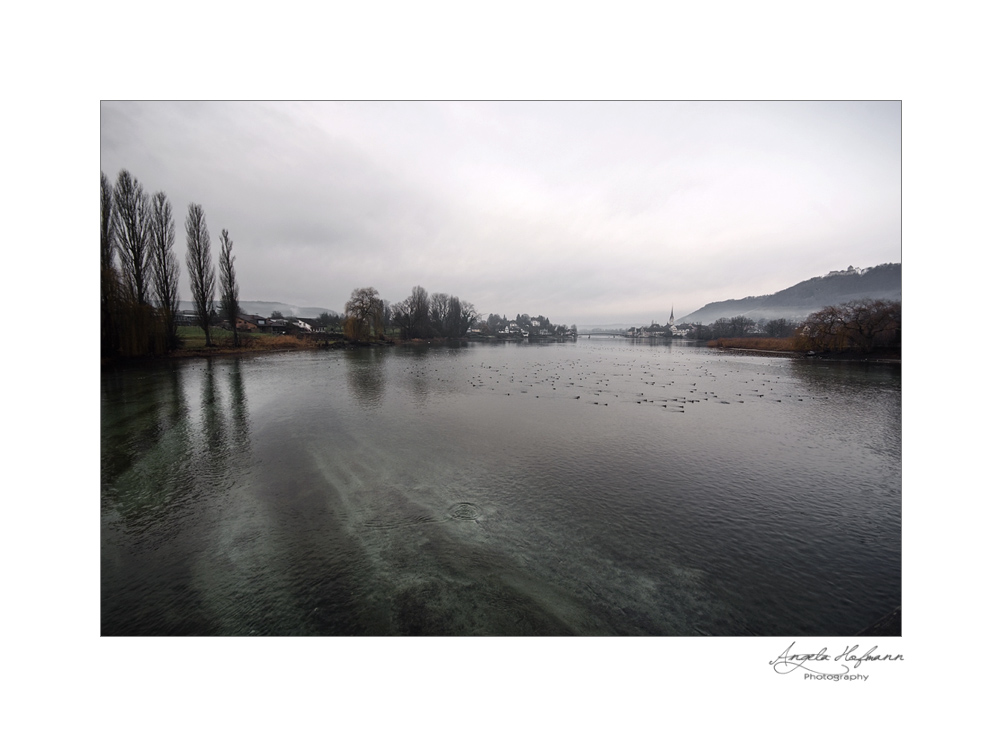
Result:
[{"x": 822, "y": 663}]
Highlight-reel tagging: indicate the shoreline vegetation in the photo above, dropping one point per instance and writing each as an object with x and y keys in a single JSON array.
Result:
[
  {"x": 141, "y": 317},
  {"x": 192, "y": 346},
  {"x": 791, "y": 347}
]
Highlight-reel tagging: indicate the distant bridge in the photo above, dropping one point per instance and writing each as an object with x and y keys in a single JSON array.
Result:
[{"x": 613, "y": 333}]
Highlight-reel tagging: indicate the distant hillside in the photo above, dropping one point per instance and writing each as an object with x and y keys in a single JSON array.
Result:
[
  {"x": 800, "y": 300},
  {"x": 266, "y": 308}
]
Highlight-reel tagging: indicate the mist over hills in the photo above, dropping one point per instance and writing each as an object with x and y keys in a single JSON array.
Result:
[
  {"x": 793, "y": 303},
  {"x": 266, "y": 308},
  {"x": 797, "y": 302}
]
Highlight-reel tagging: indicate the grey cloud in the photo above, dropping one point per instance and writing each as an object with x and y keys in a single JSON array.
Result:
[{"x": 604, "y": 210}]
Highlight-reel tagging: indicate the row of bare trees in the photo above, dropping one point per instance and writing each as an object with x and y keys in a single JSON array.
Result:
[
  {"x": 439, "y": 316},
  {"x": 419, "y": 316},
  {"x": 140, "y": 274},
  {"x": 862, "y": 325}
]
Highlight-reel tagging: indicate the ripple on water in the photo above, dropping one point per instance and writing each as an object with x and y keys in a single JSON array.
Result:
[{"x": 464, "y": 511}]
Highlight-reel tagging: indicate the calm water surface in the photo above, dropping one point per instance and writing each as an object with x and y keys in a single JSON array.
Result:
[{"x": 599, "y": 487}]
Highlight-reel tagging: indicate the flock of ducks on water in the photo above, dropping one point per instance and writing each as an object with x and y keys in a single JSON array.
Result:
[{"x": 570, "y": 380}]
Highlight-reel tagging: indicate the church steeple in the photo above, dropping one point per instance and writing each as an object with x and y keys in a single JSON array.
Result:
[{"x": 671, "y": 320}]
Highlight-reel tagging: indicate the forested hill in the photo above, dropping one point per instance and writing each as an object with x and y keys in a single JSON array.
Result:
[{"x": 800, "y": 300}]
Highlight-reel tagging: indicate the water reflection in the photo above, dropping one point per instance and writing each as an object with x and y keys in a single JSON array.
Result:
[
  {"x": 155, "y": 449},
  {"x": 145, "y": 433},
  {"x": 846, "y": 377},
  {"x": 238, "y": 408},
  {"x": 415, "y": 373},
  {"x": 211, "y": 425},
  {"x": 512, "y": 490},
  {"x": 366, "y": 375}
]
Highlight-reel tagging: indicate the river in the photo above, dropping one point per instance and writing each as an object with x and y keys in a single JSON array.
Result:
[{"x": 601, "y": 487}]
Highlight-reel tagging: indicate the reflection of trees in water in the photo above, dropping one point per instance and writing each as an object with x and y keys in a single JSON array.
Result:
[
  {"x": 238, "y": 407},
  {"x": 137, "y": 411},
  {"x": 212, "y": 423},
  {"x": 177, "y": 408},
  {"x": 145, "y": 439},
  {"x": 853, "y": 402},
  {"x": 366, "y": 375},
  {"x": 226, "y": 423},
  {"x": 416, "y": 371},
  {"x": 159, "y": 447},
  {"x": 846, "y": 377}
]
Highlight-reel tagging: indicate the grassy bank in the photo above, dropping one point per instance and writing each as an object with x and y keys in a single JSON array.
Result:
[{"x": 193, "y": 343}]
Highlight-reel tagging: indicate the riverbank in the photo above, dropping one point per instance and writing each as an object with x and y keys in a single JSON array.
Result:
[
  {"x": 786, "y": 347},
  {"x": 252, "y": 344},
  {"x": 257, "y": 344},
  {"x": 810, "y": 355}
]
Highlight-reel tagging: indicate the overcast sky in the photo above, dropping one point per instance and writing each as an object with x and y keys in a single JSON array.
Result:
[{"x": 586, "y": 213}]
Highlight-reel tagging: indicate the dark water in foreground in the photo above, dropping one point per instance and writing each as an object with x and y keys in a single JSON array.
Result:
[{"x": 593, "y": 488}]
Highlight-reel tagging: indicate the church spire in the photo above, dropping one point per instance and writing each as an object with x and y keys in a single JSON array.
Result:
[{"x": 671, "y": 320}]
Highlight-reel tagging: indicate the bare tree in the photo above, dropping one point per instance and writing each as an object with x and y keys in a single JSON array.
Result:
[
  {"x": 109, "y": 274},
  {"x": 228, "y": 283},
  {"x": 401, "y": 317},
  {"x": 823, "y": 330},
  {"x": 469, "y": 316},
  {"x": 867, "y": 320},
  {"x": 438, "y": 308},
  {"x": 864, "y": 324},
  {"x": 740, "y": 325},
  {"x": 107, "y": 224},
  {"x": 419, "y": 306},
  {"x": 779, "y": 328},
  {"x": 411, "y": 315},
  {"x": 452, "y": 320},
  {"x": 132, "y": 235},
  {"x": 166, "y": 272},
  {"x": 200, "y": 269},
  {"x": 363, "y": 314}
]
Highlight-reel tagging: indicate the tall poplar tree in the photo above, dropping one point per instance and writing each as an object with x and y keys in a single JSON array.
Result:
[
  {"x": 200, "y": 269},
  {"x": 166, "y": 272},
  {"x": 228, "y": 284},
  {"x": 132, "y": 240},
  {"x": 109, "y": 274},
  {"x": 132, "y": 235}
]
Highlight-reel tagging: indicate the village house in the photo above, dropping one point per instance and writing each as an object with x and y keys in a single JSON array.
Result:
[
  {"x": 187, "y": 317},
  {"x": 248, "y": 323}
]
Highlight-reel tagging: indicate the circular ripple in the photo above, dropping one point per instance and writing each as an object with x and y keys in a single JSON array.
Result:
[{"x": 464, "y": 511}]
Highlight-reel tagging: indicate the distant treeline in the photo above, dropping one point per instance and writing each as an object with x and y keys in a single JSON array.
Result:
[
  {"x": 423, "y": 316},
  {"x": 859, "y": 326},
  {"x": 367, "y": 316},
  {"x": 440, "y": 315},
  {"x": 740, "y": 326},
  {"x": 140, "y": 306}
]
